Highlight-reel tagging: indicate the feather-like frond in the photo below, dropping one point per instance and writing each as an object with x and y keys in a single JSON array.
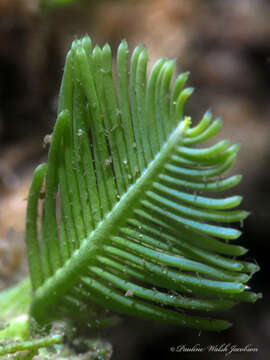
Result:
[{"x": 141, "y": 228}]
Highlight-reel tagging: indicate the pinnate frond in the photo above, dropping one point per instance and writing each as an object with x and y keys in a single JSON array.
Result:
[{"x": 141, "y": 227}]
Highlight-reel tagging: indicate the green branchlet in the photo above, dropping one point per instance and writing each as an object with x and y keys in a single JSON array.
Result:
[{"x": 132, "y": 221}]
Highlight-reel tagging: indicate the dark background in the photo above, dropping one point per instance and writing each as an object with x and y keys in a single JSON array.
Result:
[{"x": 225, "y": 45}]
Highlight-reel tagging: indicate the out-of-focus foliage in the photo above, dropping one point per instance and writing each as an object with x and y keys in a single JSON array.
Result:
[{"x": 51, "y": 4}]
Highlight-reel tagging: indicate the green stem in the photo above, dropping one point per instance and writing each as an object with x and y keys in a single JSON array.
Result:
[{"x": 31, "y": 344}]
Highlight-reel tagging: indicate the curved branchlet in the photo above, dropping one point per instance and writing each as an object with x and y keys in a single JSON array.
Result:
[{"x": 133, "y": 218}]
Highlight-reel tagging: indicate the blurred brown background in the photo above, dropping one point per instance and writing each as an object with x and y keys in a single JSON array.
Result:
[{"x": 225, "y": 45}]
